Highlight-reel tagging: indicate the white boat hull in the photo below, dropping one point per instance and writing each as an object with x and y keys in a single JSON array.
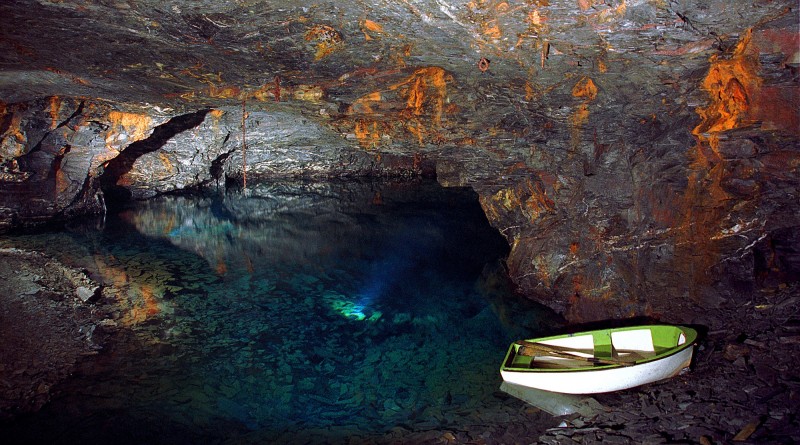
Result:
[
  {"x": 589, "y": 381},
  {"x": 598, "y": 379}
]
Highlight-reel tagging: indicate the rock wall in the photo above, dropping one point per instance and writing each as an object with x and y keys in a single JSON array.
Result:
[
  {"x": 52, "y": 152},
  {"x": 640, "y": 157}
]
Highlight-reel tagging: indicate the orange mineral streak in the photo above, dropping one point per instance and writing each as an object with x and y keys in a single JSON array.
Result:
[
  {"x": 573, "y": 248},
  {"x": 13, "y": 132},
  {"x": 215, "y": 116},
  {"x": 367, "y": 133},
  {"x": 55, "y": 106},
  {"x": 579, "y": 117},
  {"x": 576, "y": 122},
  {"x": 365, "y": 104},
  {"x": 167, "y": 168},
  {"x": 611, "y": 14},
  {"x": 585, "y": 88},
  {"x": 425, "y": 92},
  {"x": 327, "y": 40},
  {"x": 371, "y": 29},
  {"x": 308, "y": 93},
  {"x": 135, "y": 126},
  {"x": 535, "y": 18},
  {"x": 224, "y": 91},
  {"x": 491, "y": 18},
  {"x": 732, "y": 84},
  {"x": 704, "y": 208},
  {"x": 62, "y": 181},
  {"x": 372, "y": 26},
  {"x": 71, "y": 77},
  {"x": 527, "y": 197},
  {"x": 418, "y": 102},
  {"x": 530, "y": 92},
  {"x": 491, "y": 30}
]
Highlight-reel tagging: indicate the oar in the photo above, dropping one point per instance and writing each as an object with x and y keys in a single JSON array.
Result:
[{"x": 531, "y": 348}]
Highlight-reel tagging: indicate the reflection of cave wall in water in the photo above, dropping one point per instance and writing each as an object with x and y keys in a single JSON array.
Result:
[{"x": 292, "y": 222}]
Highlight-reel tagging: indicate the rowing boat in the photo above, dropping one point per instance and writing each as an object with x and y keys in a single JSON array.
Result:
[{"x": 602, "y": 360}]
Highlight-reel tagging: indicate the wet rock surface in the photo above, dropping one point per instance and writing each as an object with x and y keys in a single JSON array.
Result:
[
  {"x": 48, "y": 324},
  {"x": 623, "y": 148},
  {"x": 743, "y": 385}
]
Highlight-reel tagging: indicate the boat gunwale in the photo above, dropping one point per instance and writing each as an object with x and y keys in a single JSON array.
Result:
[{"x": 689, "y": 332}]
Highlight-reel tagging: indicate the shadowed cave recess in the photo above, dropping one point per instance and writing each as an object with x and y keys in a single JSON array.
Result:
[
  {"x": 641, "y": 158},
  {"x": 627, "y": 151}
]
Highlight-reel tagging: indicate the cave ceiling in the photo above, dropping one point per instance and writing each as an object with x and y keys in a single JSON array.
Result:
[
  {"x": 187, "y": 53},
  {"x": 622, "y": 147}
]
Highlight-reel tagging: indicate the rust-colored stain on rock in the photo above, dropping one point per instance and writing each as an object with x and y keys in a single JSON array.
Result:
[
  {"x": 127, "y": 128},
  {"x": 737, "y": 100},
  {"x": 124, "y": 129},
  {"x": 55, "y": 107},
  {"x": 587, "y": 90},
  {"x": 731, "y": 84},
  {"x": 527, "y": 197},
  {"x": 223, "y": 91},
  {"x": 13, "y": 139},
  {"x": 326, "y": 40},
  {"x": 416, "y": 104},
  {"x": 371, "y": 30}
]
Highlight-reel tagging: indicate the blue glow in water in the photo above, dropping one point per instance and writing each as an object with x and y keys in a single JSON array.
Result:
[{"x": 297, "y": 308}]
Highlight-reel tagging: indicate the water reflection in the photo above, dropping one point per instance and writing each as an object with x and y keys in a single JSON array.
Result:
[{"x": 291, "y": 308}]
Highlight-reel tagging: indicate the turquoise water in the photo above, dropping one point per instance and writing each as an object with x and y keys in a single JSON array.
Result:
[{"x": 289, "y": 313}]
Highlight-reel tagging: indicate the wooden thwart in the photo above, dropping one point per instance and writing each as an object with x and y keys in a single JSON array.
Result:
[{"x": 532, "y": 349}]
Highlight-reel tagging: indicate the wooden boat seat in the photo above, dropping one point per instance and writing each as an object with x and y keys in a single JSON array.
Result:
[{"x": 632, "y": 345}]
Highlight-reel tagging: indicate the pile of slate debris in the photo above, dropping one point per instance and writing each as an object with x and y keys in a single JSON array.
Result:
[
  {"x": 744, "y": 386},
  {"x": 48, "y": 323}
]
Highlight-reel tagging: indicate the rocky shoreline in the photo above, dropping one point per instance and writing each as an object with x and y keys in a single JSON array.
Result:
[
  {"x": 48, "y": 323},
  {"x": 744, "y": 386}
]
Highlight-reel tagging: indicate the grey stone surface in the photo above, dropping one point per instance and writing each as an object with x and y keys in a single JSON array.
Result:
[{"x": 631, "y": 152}]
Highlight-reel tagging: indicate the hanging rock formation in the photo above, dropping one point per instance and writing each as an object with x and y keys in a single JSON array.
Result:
[{"x": 638, "y": 155}]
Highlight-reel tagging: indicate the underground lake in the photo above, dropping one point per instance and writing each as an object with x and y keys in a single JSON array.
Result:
[{"x": 288, "y": 312}]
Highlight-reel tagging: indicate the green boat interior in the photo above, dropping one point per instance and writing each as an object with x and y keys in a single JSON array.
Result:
[{"x": 596, "y": 348}]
